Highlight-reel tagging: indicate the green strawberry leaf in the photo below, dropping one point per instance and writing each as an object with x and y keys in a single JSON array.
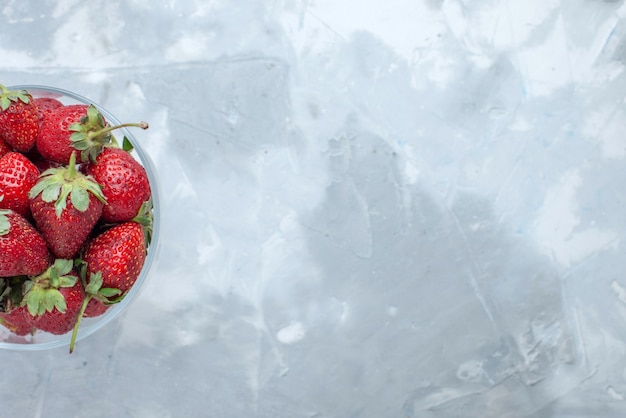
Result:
[
  {"x": 61, "y": 203},
  {"x": 94, "y": 188},
  {"x": 79, "y": 139},
  {"x": 144, "y": 218},
  {"x": 94, "y": 115},
  {"x": 95, "y": 283},
  {"x": 50, "y": 299},
  {"x": 109, "y": 301},
  {"x": 127, "y": 145},
  {"x": 48, "y": 179},
  {"x": 5, "y": 102},
  {"x": 79, "y": 198},
  {"x": 57, "y": 300},
  {"x": 50, "y": 193},
  {"x": 50, "y": 278},
  {"x": 63, "y": 266},
  {"x": 67, "y": 281},
  {"x": 33, "y": 300},
  {"x": 109, "y": 292}
]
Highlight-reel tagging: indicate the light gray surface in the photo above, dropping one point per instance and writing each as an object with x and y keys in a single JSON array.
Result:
[{"x": 370, "y": 209}]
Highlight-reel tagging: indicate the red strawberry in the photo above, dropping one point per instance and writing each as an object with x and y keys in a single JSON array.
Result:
[
  {"x": 65, "y": 205},
  {"x": 114, "y": 277},
  {"x": 19, "y": 321},
  {"x": 17, "y": 176},
  {"x": 118, "y": 254},
  {"x": 76, "y": 129},
  {"x": 71, "y": 129},
  {"x": 23, "y": 250},
  {"x": 124, "y": 184},
  {"x": 45, "y": 106},
  {"x": 95, "y": 308},
  {"x": 99, "y": 299},
  {"x": 58, "y": 321},
  {"x": 13, "y": 316},
  {"x": 54, "y": 298},
  {"x": 112, "y": 262},
  {"x": 19, "y": 122}
]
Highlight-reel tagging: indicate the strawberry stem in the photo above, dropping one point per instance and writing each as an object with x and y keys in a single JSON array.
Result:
[
  {"x": 78, "y": 320},
  {"x": 71, "y": 168},
  {"x": 95, "y": 134}
]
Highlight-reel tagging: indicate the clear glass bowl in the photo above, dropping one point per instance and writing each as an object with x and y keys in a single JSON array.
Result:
[{"x": 43, "y": 340}]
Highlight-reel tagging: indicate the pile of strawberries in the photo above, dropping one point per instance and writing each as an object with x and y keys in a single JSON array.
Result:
[{"x": 75, "y": 214}]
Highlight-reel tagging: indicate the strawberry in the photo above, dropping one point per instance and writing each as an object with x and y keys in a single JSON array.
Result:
[
  {"x": 76, "y": 129},
  {"x": 45, "y": 106},
  {"x": 19, "y": 123},
  {"x": 118, "y": 254},
  {"x": 111, "y": 264},
  {"x": 54, "y": 298},
  {"x": 56, "y": 140},
  {"x": 99, "y": 299},
  {"x": 18, "y": 320},
  {"x": 13, "y": 316},
  {"x": 65, "y": 205},
  {"x": 17, "y": 176},
  {"x": 23, "y": 250},
  {"x": 124, "y": 184},
  {"x": 59, "y": 321},
  {"x": 97, "y": 306},
  {"x": 118, "y": 271}
]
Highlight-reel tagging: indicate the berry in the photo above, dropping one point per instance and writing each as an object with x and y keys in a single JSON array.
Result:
[
  {"x": 124, "y": 184},
  {"x": 118, "y": 254},
  {"x": 18, "y": 320},
  {"x": 76, "y": 129},
  {"x": 17, "y": 176},
  {"x": 65, "y": 205},
  {"x": 12, "y": 315},
  {"x": 111, "y": 264},
  {"x": 23, "y": 251},
  {"x": 54, "y": 298},
  {"x": 53, "y": 142},
  {"x": 19, "y": 122},
  {"x": 45, "y": 106}
]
